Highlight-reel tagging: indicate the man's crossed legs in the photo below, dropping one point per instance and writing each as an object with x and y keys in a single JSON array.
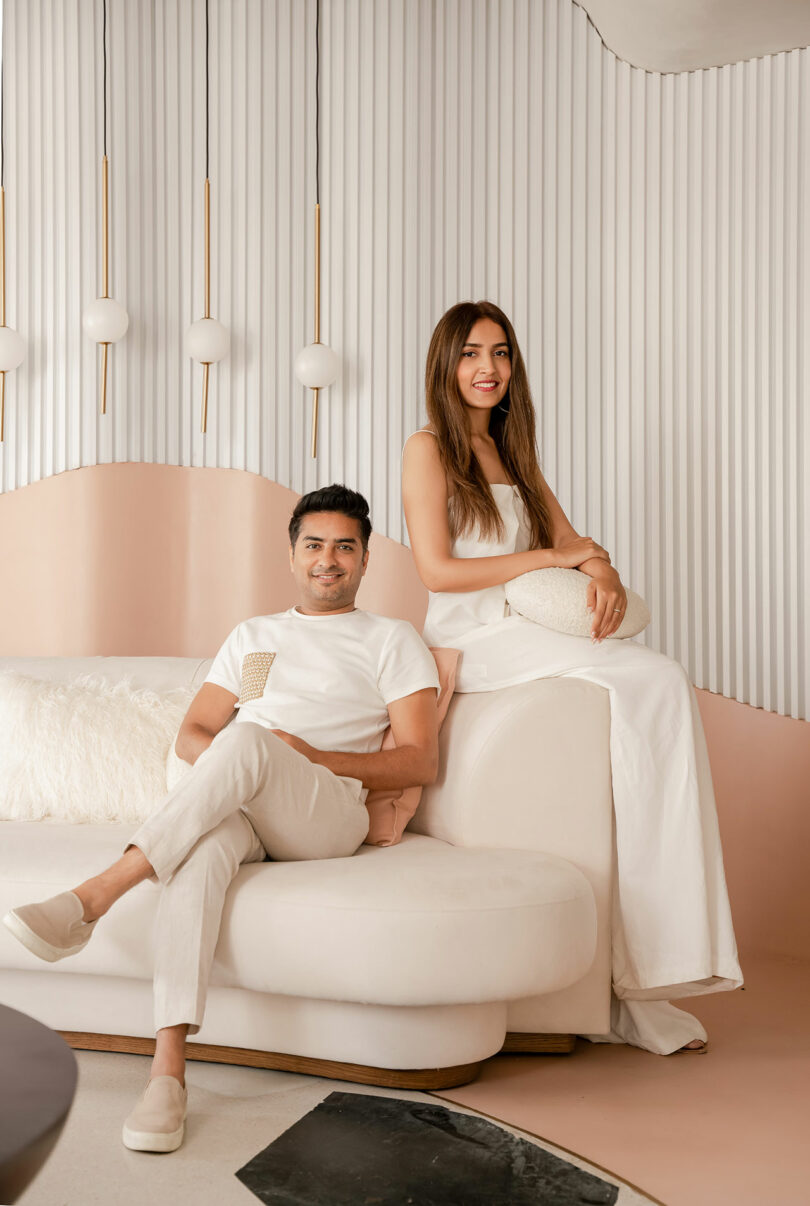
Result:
[{"x": 248, "y": 795}]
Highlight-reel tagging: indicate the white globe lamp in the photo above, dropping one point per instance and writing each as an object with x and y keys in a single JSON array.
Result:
[
  {"x": 207, "y": 341},
  {"x": 12, "y": 349},
  {"x": 317, "y": 366},
  {"x": 105, "y": 320}
]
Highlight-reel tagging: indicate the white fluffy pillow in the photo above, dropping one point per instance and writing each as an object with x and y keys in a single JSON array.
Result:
[
  {"x": 85, "y": 750},
  {"x": 558, "y": 598}
]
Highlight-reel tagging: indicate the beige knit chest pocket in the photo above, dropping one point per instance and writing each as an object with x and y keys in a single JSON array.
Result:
[{"x": 255, "y": 669}]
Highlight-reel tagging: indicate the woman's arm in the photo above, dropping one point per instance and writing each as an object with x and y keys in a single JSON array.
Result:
[
  {"x": 424, "y": 493},
  {"x": 607, "y": 599}
]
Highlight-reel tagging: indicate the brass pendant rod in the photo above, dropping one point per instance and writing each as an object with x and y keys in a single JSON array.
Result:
[
  {"x": 2, "y": 404},
  {"x": 315, "y": 393},
  {"x": 207, "y": 248},
  {"x": 2, "y": 256},
  {"x": 317, "y": 273},
  {"x": 105, "y": 266},
  {"x": 104, "y": 348},
  {"x": 204, "y": 426},
  {"x": 105, "y": 210},
  {"x": 206, "y": 367},
  {"x": 317, "y": 321}
]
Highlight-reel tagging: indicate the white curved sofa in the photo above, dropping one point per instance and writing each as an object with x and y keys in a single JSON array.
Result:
[{"x": 408, "y": 966}]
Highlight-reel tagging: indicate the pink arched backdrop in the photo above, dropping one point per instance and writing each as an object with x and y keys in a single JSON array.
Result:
[{"x": 153, "y": 559}]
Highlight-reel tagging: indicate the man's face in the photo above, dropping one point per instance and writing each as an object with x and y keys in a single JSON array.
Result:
[{"x": 327, "y": 562}]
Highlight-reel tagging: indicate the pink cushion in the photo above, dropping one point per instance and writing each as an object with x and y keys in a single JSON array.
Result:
[{"x": 389, "y": 809}]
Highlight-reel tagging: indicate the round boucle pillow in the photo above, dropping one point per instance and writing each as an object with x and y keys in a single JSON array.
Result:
[{"x": 558, "y": 598}]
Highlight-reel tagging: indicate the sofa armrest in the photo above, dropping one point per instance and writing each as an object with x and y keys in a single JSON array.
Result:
[{"x": 528, "y": 767}]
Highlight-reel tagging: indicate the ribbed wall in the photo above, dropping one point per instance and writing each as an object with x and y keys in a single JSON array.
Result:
[{"x": 647, "y": 233}]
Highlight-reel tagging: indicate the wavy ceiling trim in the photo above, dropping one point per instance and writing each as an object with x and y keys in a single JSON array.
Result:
[{"x": 692, "y": 35}]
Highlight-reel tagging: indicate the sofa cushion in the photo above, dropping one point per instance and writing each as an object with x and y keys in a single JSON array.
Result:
[{"x": 415, "y": 924}]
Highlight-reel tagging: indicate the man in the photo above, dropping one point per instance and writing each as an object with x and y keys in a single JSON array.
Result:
[{"x": 313, "y": 689}]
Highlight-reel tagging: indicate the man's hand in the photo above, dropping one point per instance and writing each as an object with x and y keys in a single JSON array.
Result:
[{"x": 297, "y": 743}]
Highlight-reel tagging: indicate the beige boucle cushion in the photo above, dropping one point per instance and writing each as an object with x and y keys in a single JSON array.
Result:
[
  {"x": 558, "y": 598},
  {"x": 85, "y": 750}
]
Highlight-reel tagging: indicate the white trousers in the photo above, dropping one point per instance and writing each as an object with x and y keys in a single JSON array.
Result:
[
  {"x": 247, "y": 797},
  {"x": 672, "y": 934}
]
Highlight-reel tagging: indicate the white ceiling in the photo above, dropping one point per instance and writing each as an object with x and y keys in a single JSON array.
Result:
[{"x": 686, "y": 35}]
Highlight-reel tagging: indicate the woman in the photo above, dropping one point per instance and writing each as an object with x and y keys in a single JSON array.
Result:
[{"x": 479, "y": 513}]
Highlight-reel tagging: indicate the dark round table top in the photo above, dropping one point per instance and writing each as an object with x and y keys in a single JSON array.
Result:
[{"x": 38, "y": 1074}]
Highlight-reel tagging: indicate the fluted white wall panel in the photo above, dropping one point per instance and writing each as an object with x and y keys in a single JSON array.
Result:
[{"x": 647, "y": 233}]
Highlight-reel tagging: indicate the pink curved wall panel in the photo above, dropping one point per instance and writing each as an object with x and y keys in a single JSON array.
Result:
[{"x": 134, "y": 559}]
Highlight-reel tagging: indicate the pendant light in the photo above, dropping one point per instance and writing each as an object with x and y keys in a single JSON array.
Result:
[
  {"x": 105, "y": 320},
  {"x": 317, "y": 366},
  {"x": 12, "y": 347},
  {"x": 207, "y": 341}
]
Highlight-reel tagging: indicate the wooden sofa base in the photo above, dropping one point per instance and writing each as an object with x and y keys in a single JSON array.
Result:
[
  {"x": 517, "y": 1043},
  {"x": 362, "y": 1074}
]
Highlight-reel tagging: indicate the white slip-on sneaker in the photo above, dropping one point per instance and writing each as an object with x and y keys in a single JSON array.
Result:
[
  {"x": 158, "y": 1120},
  {"x": 51, "y": 929}
]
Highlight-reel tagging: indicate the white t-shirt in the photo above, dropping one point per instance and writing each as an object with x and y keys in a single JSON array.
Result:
[{"x": 325, "y": 679}]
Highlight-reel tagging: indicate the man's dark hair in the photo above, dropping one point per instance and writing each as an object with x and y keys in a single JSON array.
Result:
[{"x": 332, "y": 498}]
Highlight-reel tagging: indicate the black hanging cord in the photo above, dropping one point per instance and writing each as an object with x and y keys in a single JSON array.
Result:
[
  {"x": 206, "y": 88},
  {"x": 105, "y": 79},
  {"x": 318, "y": 102}
]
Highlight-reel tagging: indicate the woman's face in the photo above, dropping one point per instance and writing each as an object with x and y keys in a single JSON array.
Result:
[{"x": 484, "y": 368}]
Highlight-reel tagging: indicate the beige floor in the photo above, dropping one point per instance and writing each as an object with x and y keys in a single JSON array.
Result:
[
  {"x": 233, "y": 1114},
  {"x": 728, "y": 1127}
]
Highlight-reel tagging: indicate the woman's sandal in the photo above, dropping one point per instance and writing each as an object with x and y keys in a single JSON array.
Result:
[{"x": 696, "y": 1047}]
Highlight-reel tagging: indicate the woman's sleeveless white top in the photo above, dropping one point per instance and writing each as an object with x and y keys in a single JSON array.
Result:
[{"x": 452, "y": 615}]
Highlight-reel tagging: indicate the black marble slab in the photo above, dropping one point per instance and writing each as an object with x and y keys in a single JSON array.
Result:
[{"x": 357, "y": 1149}]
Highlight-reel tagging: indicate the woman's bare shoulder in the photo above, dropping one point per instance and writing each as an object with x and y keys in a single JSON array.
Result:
[
  {"x": 422, "y": 445},
  {"x": 421, "y": 460}
]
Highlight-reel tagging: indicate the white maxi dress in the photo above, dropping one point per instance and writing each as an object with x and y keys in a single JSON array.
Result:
[{"x": 672, "y": 934}]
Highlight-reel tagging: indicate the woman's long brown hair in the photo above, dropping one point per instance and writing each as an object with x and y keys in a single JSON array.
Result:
[{"x": 511, "y": 426}]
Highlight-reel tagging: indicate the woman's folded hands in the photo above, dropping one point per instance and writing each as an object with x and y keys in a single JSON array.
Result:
[{"x": 607, "y": 602}]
